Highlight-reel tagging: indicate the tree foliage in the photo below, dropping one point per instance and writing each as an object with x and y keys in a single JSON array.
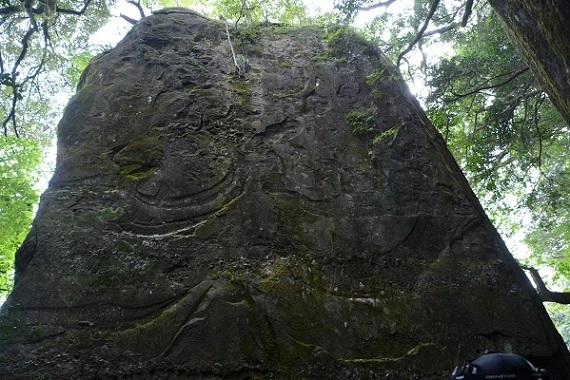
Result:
[
  {"x": 39, "y": 39},
  {"x": 44, "y": 48},
  {"x": 507, "y": 136},
  {"x": 18, "y": 196},
  {"x": 499, "y": 124},
  {"x": 291, "y": 12}
]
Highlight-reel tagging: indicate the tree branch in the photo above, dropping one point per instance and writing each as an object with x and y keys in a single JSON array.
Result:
[
  {"x": 514, "y": 100},
  {"x": 16, "y": 95},
  {"x": 11, "y": 10},
  {"x": 420, "y": 34},
  {"x": 137, "y": 4},
  {"x": 456, "y": 25},
  {"x": 489, "y": 87},
  {"x": 545, "y": 294},
  {"x": 73, "y": 11},
  {"x": 17, "y": 87},
  {"x": 467, "y": 13},
  {"x": 128, "y": 19},
  {"x": 24, "y": 51},
  {"x": 375, "y": 6}
]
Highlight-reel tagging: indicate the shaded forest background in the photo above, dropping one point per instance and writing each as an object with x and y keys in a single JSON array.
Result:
[{"x": 499, "y": 124}]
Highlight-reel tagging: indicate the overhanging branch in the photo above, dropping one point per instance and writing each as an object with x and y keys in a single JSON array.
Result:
[
  {"x": 16, "y": 95},
  {"x": 73, "y": 11},
  {"x": 545, "y": 294},
  {"x": 468, "y": 10},
  {"x": 376, "y": 6},
  {"x": 128, "y": 19},
  {"x": 27, "y": 10},
  {"x": 489, "y": 87},
  {"x": 420, "y": 34},
  {"x": 11, "y": 10},
  {"x": 137, "y": 4}
]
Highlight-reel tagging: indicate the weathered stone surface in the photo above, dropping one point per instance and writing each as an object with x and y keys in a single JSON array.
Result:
[{"x": 205, "y": 225}]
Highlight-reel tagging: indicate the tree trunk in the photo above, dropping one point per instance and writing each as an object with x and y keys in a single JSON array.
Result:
[{"x": 540, "y": 30}]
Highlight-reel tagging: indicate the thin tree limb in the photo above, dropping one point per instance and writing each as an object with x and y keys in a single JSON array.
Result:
[
  {"x": 15, "y": 92},
  {"x": 376, "y": 6},
  {"x": 138, "y": 5},
  {"x": 12, "y": 114},
  {"x": 420, "y": 34},
  {"x": 445, "y": 29},
  {"x": 516, "y": 99},
  {"x": 489, "y": 87},
  {"x": 17, "y": 87},
  {"x": 73, "y": 11},
  {"x": 456, "y": 25}
]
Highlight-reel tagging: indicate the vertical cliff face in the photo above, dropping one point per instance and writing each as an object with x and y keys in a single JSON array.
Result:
[{"x": 302, "y": 219}]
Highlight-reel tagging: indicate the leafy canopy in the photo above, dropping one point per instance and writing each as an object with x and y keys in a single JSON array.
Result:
[
  {"x": 45, "y": 45},
  {"x": 18, "y": 197}
]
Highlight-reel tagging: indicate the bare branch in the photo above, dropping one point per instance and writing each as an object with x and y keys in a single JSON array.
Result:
[
  {"x": 12, "y": 114},
  {"x": 25, "y": 45},
  {"x": 467, "y": 11}
]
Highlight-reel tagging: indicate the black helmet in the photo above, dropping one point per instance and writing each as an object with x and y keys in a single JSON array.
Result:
[{"x": 499, "y": 366}]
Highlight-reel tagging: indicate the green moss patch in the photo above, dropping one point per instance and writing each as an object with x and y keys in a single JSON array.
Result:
[
  {"x": 139, "y": 159},
  {"x": 344, "y": 42}
]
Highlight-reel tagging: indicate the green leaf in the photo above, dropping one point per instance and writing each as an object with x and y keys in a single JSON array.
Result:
[{"x": 18, "y": 176}]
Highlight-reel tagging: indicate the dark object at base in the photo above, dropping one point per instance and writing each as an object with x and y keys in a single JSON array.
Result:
[{"x": 499, "y": 366}]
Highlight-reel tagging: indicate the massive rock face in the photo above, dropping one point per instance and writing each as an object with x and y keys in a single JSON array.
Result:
[{"x": 300, "y": 220}]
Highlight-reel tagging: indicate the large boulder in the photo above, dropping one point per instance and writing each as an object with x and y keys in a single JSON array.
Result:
[{"x": 282, "y": 211}]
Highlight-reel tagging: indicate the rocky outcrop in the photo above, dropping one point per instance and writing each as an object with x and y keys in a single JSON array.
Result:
[{"x": 296, "y": 218}]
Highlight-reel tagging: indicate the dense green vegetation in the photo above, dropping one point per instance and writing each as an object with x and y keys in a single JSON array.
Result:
[
  {"x": 508, "y": 138},
  {"x": 18, "y": 196},
  {"x": 44, "y": 48}
]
